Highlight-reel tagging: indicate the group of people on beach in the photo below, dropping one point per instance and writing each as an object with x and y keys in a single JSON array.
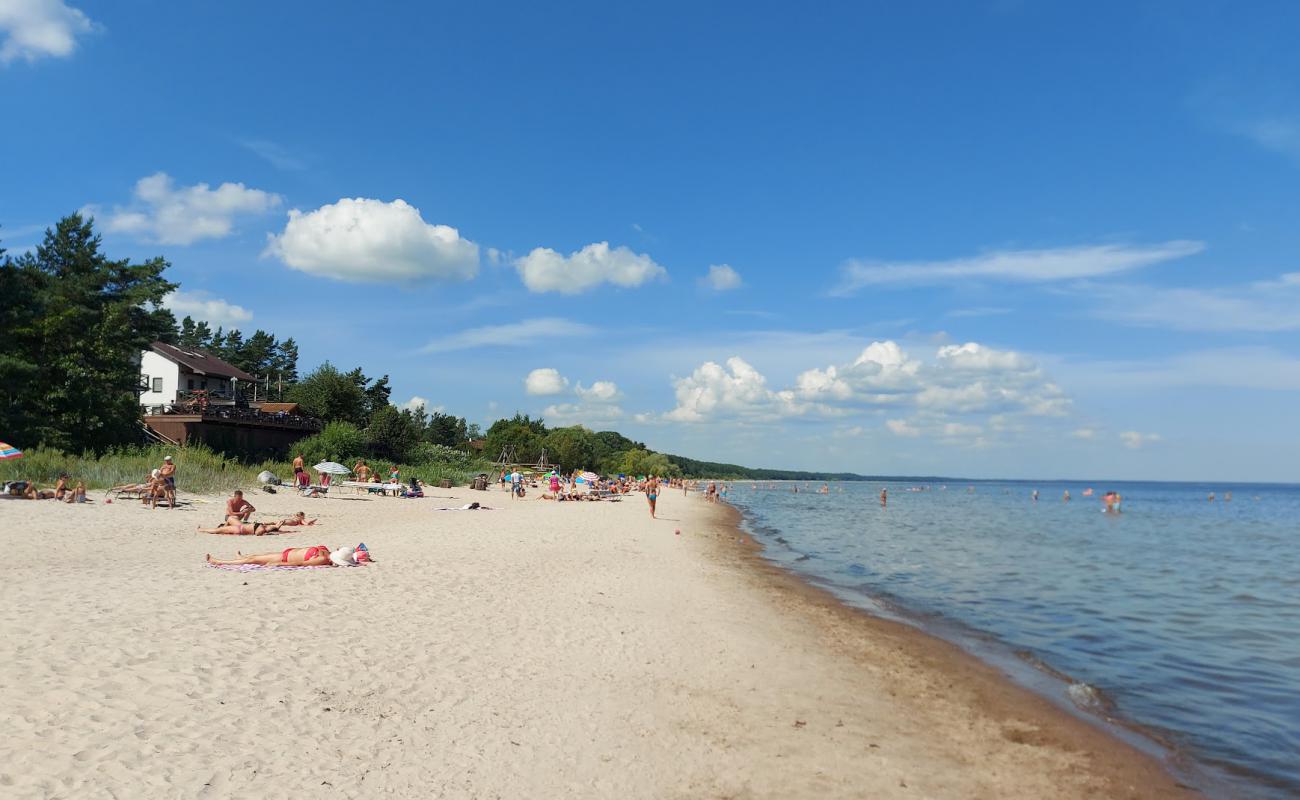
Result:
[{"x": 238, "y": 522}]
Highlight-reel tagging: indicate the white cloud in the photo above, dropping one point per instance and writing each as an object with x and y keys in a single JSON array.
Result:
[
  {"x": 34, "y": 29},
  {"x": 1134, "y": 440},
  {"x": 165, "y": 213},
  {"x": 545, "y": 381},
  {"x": 544, "y": 270},
  {"x": 588, "y": 414},
  {"x": 417, "y": 401},
  {"x": 512, "y": 334},
  {"x": 600, "y": 392},
  {"x": 359, "y": 239},
  {"x": 963, "y": 391},
  {"x": 901, "y": 427},
  {"x": 735, "y": 390},
  {"x": 1084, "y": 433},
  {"x": 1024, "y": 266},
  {"x": 201, "y": 306},
  {"x": 721, "y": 278},
  {"x": 1271, "y": 306}
]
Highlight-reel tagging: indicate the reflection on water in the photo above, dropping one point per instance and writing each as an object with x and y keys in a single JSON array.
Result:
[{"x": 1182, "y": 612}]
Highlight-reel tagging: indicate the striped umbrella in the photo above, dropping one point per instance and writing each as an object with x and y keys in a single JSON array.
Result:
[{"x": 9, "y": 451}]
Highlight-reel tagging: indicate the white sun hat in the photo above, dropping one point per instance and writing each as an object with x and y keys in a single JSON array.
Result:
[{"x": 343, "y": 557}]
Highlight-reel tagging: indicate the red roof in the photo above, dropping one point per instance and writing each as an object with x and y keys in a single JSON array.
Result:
[{"x": 200, "y": 362}]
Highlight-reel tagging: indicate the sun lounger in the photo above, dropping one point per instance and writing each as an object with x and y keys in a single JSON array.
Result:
[{"x": 381, "y": 488}]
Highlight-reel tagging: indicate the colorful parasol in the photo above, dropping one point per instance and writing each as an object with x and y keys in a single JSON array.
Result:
[{"x": 9, "y": 451}]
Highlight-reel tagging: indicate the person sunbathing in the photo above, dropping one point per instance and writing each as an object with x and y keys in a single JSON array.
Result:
[
  {"x": 26, "y": 490},
  {"x": 61, "y": 487},
  {"x": 298, "y": 519},
  {"x": 236, "y": 527},
  {"x": 318, "y": 556}
]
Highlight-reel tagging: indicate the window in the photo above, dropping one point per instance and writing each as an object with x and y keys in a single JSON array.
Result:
[
  {"x": 157, "y": 384},
  {"x": 205, "y": 384},
  {"x": 191, "y": 384}
]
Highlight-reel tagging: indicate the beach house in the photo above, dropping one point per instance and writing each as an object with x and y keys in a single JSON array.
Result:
[{"x": 170, "y": 374}]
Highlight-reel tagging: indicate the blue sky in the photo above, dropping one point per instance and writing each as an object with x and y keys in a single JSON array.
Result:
[{"x": 1003, "y": 239}]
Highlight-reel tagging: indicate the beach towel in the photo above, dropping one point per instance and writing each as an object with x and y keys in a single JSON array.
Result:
[
  {"x": 466, "y": 507},
  {"x": 267, "y": 568}
]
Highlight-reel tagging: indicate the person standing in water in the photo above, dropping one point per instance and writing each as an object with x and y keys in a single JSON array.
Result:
[
  {"x": 1065, "y": 498},
  {"x": 1035, "y": 495},
  {"x": 884, "y": 497}
]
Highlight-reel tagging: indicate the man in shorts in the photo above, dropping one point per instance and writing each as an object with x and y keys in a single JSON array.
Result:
[{"x": 168, "y": 474}]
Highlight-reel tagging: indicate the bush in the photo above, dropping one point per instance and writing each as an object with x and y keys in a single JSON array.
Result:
[{"x": 337, "y": 441}]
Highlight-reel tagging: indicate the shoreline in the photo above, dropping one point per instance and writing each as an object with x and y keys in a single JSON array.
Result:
[{"x": 1128, "y": 769}]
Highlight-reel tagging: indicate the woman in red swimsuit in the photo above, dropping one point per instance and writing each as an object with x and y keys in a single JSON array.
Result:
[{"x": 318, "y": 556}]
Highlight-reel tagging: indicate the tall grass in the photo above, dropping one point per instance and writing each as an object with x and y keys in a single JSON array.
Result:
[{"x": 198, "y": 469}]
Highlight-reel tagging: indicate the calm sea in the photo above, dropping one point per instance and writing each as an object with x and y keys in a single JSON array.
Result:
[{"x": 1180, "y": 615}]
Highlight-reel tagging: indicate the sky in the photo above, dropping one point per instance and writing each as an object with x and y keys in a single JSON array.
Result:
[{"x": 993, "y": 240}]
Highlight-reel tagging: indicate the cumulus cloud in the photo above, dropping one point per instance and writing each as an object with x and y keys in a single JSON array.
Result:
[
  {"x": 721, "y": 278},
  {"x": 204, "y": 307},
  {"x": 545, "y": 270},
  {"x": 734, "y": 390},
  {"x": 1136, "y": 441},
  {"x": 417, "y": 402},
  {"x": 35, "y": 29},
  {"x": 359, "y": 239},
  {"x": 511, "y": 334},
  {"x": 545, "y": 381},
  {"x": 1271, "y": 306},
  {"x": 961, "y": 392},
  {"x": 165, "y": 213},
  {"x": 1020, "y": 266},
  {"x": 600, "y": 392}
]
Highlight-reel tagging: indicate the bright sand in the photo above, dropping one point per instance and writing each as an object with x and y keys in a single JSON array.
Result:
[{"x": 540, "y": 650}]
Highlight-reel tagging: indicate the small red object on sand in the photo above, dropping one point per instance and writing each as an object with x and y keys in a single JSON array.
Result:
[
  {"x": 108, "y": 500},
  {"x": 678, "y": 531}
]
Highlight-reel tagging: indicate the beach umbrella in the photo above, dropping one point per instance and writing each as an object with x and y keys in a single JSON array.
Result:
[
  {"x": 9, "y": 451},
  {"x": 332, "y": 468}
]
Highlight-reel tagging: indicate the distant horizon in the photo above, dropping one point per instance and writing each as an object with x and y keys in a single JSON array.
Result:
[{"x": 1010, "y": 238}]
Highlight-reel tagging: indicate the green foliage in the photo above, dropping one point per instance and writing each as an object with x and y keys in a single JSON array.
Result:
[
  {"x": 640, "y": 462},
  {"x": 524, "y": 434},
  {"x": 330, "y": 395},
  {"x": 198, "y": 469},
  {"x": 446, "y": 429},
  {"x": 75, "y": 324},
  {"x": 392, "y": 434},
  {"x": 337, "y": 441},
  {"x": 572, "y": 448}
]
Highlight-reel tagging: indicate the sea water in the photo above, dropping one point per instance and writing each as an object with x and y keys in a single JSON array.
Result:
[{"x": 1180, "y": 615}]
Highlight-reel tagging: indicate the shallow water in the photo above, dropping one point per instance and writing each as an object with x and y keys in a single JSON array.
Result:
[{"x": 1182, "y": 613}]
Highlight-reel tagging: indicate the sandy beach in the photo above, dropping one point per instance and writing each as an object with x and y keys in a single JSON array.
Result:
[{"x": 536, "y": 650}]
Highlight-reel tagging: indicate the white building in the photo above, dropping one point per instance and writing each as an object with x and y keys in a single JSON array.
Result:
[{"x": 167, "y": 371}]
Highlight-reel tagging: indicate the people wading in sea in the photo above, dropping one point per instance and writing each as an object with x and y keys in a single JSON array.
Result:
[{"x": 884, "y": 497}]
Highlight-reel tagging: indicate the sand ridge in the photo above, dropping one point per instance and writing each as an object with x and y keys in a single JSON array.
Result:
[{"x": 537, "y": 650}]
